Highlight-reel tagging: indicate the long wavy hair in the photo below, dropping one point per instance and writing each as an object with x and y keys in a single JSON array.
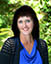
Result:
[{"x": 26, "y": 11}]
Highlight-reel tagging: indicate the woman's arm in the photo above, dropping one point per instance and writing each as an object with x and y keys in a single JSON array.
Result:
[
  {"x": 7, "y": 52},
  {"x": 44, "y": 51}
]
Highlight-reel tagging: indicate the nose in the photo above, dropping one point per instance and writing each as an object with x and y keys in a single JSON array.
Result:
[{"x": 24, "y": 24}]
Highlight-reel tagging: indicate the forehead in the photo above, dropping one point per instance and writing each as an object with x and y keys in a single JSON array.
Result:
[{"x": 24, "y": 18}]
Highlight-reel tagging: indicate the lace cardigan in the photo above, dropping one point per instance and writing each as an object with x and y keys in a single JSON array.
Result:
[{"x": 12, "y": 50}]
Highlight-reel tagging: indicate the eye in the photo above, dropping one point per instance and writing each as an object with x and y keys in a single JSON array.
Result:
[
  {"x": 27, "y": 20},
  {"x": 20, "y": 21}
]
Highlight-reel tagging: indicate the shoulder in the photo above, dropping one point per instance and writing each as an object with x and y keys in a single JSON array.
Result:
[
  {"x": 43, "y": 46},
  {"x": 9, "y": 45},
  {"x": 9, "y": 41},
  {"x": 43, "y": 49},
  {"x": 43, "y": 43}
]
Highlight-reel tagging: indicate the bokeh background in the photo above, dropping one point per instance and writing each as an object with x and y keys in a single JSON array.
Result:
[{"x": 43, "y": 11}]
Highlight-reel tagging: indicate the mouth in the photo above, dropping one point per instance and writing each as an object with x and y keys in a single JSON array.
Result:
[{"x": 25, "y": 29}]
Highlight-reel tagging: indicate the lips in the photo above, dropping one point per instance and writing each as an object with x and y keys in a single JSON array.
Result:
[{"x": 25, "y": 29}]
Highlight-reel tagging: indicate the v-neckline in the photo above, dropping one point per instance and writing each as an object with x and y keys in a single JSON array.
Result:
[{"x": 26, "y": 50}]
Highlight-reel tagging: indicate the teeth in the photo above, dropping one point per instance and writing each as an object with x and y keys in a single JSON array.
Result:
[{"x": 25, "y": 29}]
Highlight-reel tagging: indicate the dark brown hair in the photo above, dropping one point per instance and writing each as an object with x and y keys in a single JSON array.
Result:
[{"x": 25, "y": 11}]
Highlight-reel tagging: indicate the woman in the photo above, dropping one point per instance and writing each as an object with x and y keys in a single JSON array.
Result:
[{"x": 25, "y": 47}]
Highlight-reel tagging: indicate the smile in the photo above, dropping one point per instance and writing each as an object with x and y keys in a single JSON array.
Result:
[{"x": 25, "y": 29}]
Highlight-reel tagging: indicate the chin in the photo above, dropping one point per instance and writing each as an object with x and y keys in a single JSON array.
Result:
[{"x": 26, "y": 33}]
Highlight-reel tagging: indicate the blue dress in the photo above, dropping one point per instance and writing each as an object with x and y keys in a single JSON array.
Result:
[{"x": 32, "y": 58}]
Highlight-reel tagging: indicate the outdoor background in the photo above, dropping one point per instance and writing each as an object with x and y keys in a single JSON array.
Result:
[{"x": 43, "y": 11}]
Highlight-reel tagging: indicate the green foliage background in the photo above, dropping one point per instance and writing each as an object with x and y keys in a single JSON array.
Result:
[{"x": 43, "y": 11}]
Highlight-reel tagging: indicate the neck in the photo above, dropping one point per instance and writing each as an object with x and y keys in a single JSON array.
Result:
[{"x": 26, "y": 38}]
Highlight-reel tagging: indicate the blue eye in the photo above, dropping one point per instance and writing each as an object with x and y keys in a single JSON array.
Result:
[
  {"x": 20, "y": 21},
  {"x": 27, "y": 20}
]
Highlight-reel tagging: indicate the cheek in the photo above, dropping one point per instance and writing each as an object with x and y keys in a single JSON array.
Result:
[
  {"x": 31, "y": 25},
  {"x": 19, "y": 26}
]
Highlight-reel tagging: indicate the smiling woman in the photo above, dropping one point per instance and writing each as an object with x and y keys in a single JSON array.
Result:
[
  {"x": 25, "y": 25},
  {"x": 25, "y": 47}
]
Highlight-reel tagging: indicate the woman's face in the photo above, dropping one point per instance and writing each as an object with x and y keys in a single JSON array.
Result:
[{"x": 25, "y": 25}]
